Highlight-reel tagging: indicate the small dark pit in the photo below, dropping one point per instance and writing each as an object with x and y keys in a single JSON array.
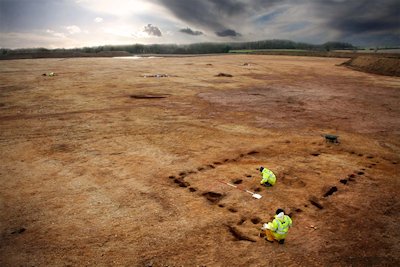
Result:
[
  {"x": 255, "y": 220},
  {"x": 315, "y": 154},
  {"x": 18, "y": 231},
  {"x": 233, "y": 210},
  {"x": 200, "y": 169},
  {"x": 352, "y": 175},
  {"x": 191, "y": 189},
  {"x": 211, "y": 166},
  {"x": 61, "y": 148},
  {"x": 314, "y": 201},
  {"x": 217, "y": 163},
  {"x": 316, "y": 204},
  {"x": 221, "y": 74},
  {"x": 239, "y": 236},
  {"x": 248, "y": 176},
  {"x": 298, "y": 210},
  {"x": 258, "y": 189},
  {"x": 181, "y": 182},
  {"x": 360, "y": 173},
  {"x": 253, "y": 152},
  {"x": 148, "y": 96},
  {"x": 332, "y": 190},
  {"x": 182, "y": 174},
  {"x": 171, "y": 177},
  {"x": 360, "y": 155},
  {"x": 237, "y": 181},
  {"x": 213, "y": 197},
  {"x": 343, "y": 181},
  {"x": 221, "y": 205},
  {"x": 370, "y": 157},
  {"x": 241, "y": 221}
]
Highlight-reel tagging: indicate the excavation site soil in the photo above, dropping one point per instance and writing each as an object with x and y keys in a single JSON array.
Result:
[{"x": 124, "y": 162}]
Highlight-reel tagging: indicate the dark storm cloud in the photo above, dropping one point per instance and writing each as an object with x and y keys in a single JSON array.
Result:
[
  {"x": 227, "y": 33},
  {"x": 348, "y": 18},
  {"x": 359, "y": 16},
  {"x": 195, "y": 12},
  {"x": 190, "y": 31},
  {"x": 363, "y": 21},
  {"x": 152, "y": 30},
  {"x": 229, "y": 7},
  {"x": 210, "y": 14}
]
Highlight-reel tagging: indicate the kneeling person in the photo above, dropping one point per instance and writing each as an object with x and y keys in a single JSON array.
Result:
[
  {"x": 278, "y": 228},
  {"x": 268, "y": 177}
]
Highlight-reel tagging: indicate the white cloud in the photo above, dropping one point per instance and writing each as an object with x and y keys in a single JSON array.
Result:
[
  {"x": 73, "y": 29},
  {"x": 121, "y": 31},
  {"x": 55, "y": 34},
  {"x": 98, "y": 19},
  {"x": 142, "y": 35}
]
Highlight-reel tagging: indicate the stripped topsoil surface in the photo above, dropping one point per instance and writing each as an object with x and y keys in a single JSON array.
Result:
[
  {"x": 102, "y": 166},
  {"x": 374, "y": 64}
]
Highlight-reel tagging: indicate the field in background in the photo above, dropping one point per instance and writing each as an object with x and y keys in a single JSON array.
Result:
[
  {"x": 266, "y": 50},
  {"x": 353, "y": 51}
]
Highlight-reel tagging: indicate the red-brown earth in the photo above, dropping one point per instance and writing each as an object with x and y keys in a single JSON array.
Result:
[{"x": 103, "y": 166}]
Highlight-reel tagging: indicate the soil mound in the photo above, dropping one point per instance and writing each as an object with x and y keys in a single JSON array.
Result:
[{"x": 379, "y": 65}]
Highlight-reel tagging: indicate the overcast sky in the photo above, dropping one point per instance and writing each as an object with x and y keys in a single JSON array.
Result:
[{"x": 77, "y": 23}]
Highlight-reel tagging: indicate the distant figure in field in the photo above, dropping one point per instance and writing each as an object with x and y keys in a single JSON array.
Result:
[
  {"x": 268, "y": 177},
  {"x": 278, "y": 228}
]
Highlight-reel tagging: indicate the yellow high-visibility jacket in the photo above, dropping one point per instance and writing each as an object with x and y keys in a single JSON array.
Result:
[
  {"x": 280, "y": 228},
  {"x": 268, "y": 176}
]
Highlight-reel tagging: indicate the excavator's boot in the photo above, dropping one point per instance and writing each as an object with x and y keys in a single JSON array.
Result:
[{"x": 269, "y": 237}]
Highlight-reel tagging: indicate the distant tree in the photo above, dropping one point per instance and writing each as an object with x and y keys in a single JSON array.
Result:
[
  {"x": 4, "y": 51},
  {"x": 196, "y": 48}
]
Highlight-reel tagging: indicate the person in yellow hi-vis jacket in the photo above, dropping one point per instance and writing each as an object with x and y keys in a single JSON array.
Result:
[
  {"x": 268, "y": 177},
  {"x": 278, "y": 228}
]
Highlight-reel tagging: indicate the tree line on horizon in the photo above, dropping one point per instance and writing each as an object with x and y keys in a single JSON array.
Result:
[{"x": 196, "y": 48}]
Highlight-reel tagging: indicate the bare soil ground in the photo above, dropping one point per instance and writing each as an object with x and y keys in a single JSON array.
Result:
[
  {"x": 373, "y": 64},
  {"x": 102, "y": 166}
]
